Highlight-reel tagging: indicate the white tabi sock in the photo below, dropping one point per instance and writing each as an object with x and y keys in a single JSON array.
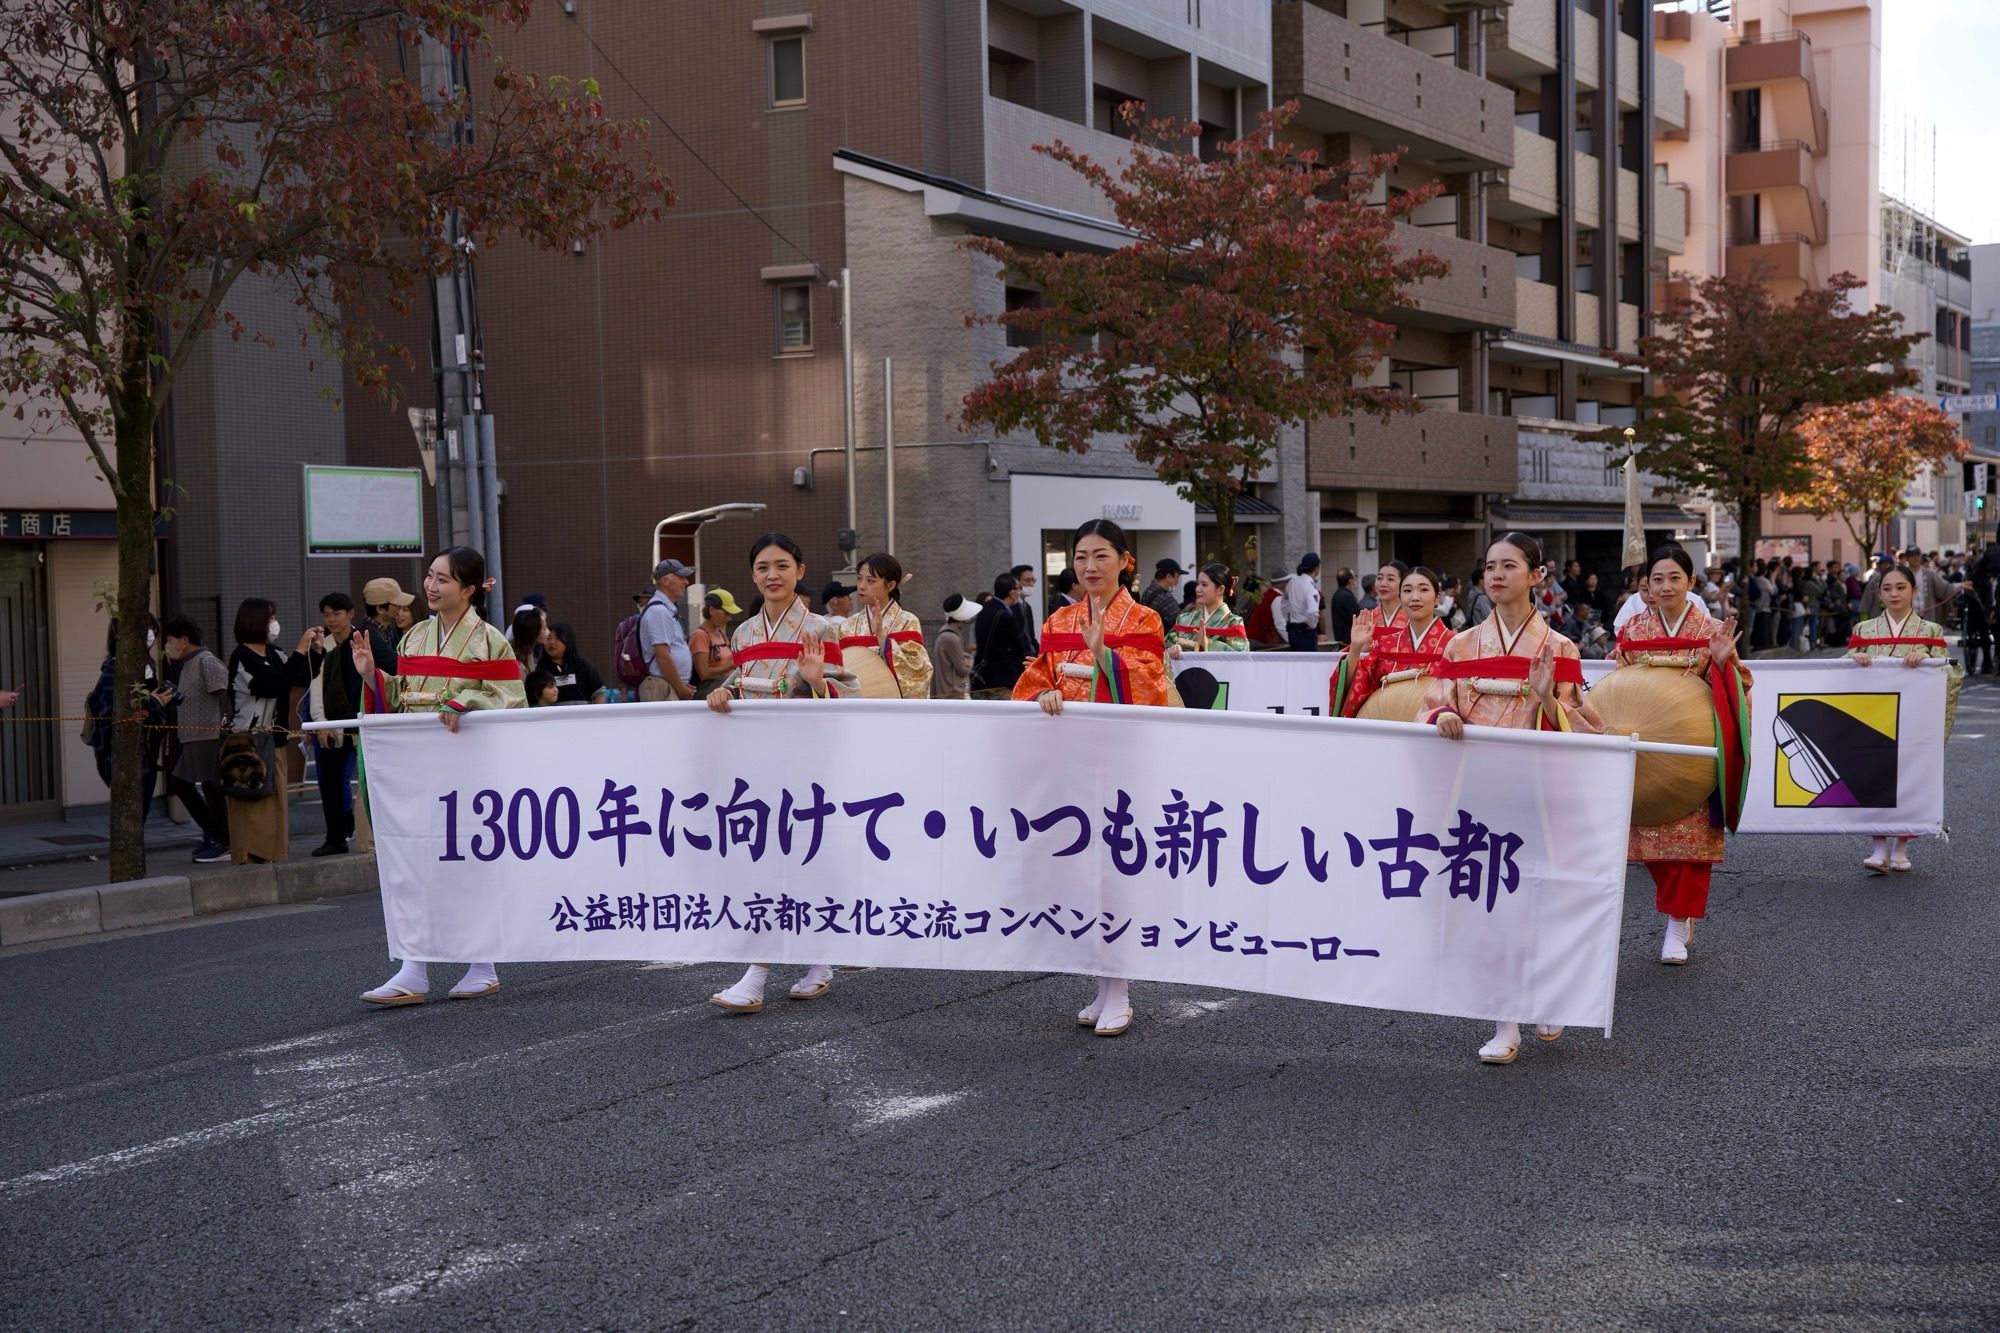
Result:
[
  {"x": 1114, "y": 998},
  {"x": 751, "y": 987},
  {"x": 478, "y": 977},
  {"x": 816, "y": 976},
  {"x": 1088, "y": 1014},
  {"x": 412, "y": 977}
]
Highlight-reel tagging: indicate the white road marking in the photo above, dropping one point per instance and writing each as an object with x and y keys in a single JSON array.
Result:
[
  {"x": 381, "y": 1189},
  {"x": 1969, "y": 736},
  {"x": 365, "y": 1094},
  {"x": 886, "y": 1110},
  {"x": 856, "y": 1072}
]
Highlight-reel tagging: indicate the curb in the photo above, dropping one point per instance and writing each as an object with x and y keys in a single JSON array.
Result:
[{"x": 67, "y": 913}]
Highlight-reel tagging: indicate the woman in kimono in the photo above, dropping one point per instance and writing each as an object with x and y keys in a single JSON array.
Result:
[
  {"x": 783, "y": 651},
  {"x": 1409, "y": 650},
  {"x": 1676, "y": 633},
  {"x": 1510, "y": 670},
  {"x": 883, "y": 628},
  {"x": 1899, "y": 632},
  {"x": 452, "y": 664},
  {"x": 1209, "y": 626},
  {"x": 1104, "y": 648},
  {"x": 1378, "y": 621}
]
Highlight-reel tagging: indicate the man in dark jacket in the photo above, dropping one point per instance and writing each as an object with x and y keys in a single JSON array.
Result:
[
  {"x": 1002, "y": 649},
  {"x": 324, "y": 668},
  {"x": 1163, "y": 594}
]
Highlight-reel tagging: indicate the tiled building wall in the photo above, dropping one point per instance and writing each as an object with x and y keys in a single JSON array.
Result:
[{"x": 643, "y": 378}]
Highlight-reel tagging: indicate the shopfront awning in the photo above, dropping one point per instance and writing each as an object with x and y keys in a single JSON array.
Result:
[
  {"x": 1249, "y": 509},
  {"x": 1589, "y": 517}
]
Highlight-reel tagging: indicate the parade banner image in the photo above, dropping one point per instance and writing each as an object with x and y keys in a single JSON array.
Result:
[
  {"x": 1363, "y": 863},
  {"x": 1287, "y": 683},
  {"x": 1836, "y": 747}
]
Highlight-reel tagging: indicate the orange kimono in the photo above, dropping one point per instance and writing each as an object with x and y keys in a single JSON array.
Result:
[
  {"x": 1479, "y": 679},
  {"x": 1131, "y": 670},
  {"x": 1681, "y": 855},
  {"x": 1392, "y": 655}
]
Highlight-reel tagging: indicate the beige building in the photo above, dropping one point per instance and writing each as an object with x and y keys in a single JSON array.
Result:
[
  {"x": 58, "y": 571},
  {"x": 58, "y": 566},
  {"x": 1780, "y": 167}
]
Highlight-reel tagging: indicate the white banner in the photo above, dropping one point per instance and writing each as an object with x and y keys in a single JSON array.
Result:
[
  {"x": 1366, "y": 863},
  {"x": 1273, "y": 682},
  {"x": 1836, "y": 747}
]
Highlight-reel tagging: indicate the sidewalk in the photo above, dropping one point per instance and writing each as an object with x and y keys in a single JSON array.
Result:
[{"x": 64, "y": 854}]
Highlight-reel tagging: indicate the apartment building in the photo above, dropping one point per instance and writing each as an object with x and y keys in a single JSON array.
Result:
[
  {"x": 1982, "y": 428},
  {"x": 58, "y": 567},
  {"x": 1927, "y": 278},
  {"x": 1590, "y": 218},
  {"x": 1538, "y": 118},
  {"x": 702, "y": 360},
  {"x": 1780, "y": 165}
]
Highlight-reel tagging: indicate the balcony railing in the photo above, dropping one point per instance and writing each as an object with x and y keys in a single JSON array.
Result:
[
  {"x": 1440, "y": 41},
  {"x": 1766, "y": 38}
]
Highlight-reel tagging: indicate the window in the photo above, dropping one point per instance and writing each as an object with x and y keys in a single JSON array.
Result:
[
  {"x": 1009, "y": 77},
  {"x": 1023, "y": 298},
  {"x": 1990, "y": 432},
  {"x": 795, "y": 330},
  {"x": 1104, "y": 104},
  {"x": 788, "y": 71}
]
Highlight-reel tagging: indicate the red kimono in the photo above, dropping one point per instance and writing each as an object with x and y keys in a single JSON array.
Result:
[
  {"x": 1681, "y": 855},
  {"x": 1391, "y": 655},
  {"x": 1131, "y": 670}
]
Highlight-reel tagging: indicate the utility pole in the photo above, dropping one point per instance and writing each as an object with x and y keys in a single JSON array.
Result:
[
  {"x": 849, "y": 538},
  {"x": 468, "y": 479}
]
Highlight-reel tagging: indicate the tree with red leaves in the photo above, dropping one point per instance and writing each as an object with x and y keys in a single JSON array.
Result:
[
  {"x": 1737, "y": 372},
  {"x": 1863, "y": 456},
  {"x": 156, "y": 151},
  {"x": 1244, "y": 302}
]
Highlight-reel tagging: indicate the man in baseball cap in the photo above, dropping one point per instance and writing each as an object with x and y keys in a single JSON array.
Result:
[
  {"x": 663, "y": 638},
  {"x": 383, "y": 598},
  {"x": 837, "y": 599}
]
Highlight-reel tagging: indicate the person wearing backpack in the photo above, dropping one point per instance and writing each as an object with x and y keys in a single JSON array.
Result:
[
  {"x": 628, "y": 662},
  {"x": 97, "y": 712},
  {"x": 663, "y": 639}
]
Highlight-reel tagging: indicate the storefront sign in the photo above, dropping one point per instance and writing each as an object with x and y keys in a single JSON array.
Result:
[{"x": 58, "y": 525}]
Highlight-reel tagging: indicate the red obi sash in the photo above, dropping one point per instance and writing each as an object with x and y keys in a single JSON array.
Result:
[
  {"x": 1393, "y": 662},
  {"x": 1073, "y": 643},
  {"x": 777, "y": 650},
  {"x": 497, "y": 668},
  {"x": 870, "y": 641},
  {"x": 1677, "y": 645},
  {"x": 1569, "y": 671},
  {"x": 1896, "y": 643},
  {"x": 1213, "y": 632}
]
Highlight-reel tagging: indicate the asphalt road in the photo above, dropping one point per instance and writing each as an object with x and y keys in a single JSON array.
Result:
[{"x": 201, "y": 1128}]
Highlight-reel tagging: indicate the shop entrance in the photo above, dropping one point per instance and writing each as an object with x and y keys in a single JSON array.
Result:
[{"x": 27, "y": 749}]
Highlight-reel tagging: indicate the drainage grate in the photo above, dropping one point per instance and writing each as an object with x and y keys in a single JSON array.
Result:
[{"x": 78, "y": 840}]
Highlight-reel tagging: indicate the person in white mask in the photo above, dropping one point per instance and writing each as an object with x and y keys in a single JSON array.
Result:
[{"x": 259, "y": 685}]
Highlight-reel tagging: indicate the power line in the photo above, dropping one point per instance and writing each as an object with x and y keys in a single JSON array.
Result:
[{"x": 658, "y": 115}]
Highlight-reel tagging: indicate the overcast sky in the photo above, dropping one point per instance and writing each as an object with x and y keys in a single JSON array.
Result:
[{"x": 1941, "y": 67}]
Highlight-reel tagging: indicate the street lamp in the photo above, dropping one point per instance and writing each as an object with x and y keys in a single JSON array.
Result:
[{"x": 701, "y": 518}]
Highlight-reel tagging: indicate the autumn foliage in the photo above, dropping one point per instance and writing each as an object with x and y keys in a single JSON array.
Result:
[
  {"x": 1737, "y": 372},
  {"x": 1243, "y": 302},
  {"x": 1863, "y": 456},
  {"x": 156, "y": 152}
]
